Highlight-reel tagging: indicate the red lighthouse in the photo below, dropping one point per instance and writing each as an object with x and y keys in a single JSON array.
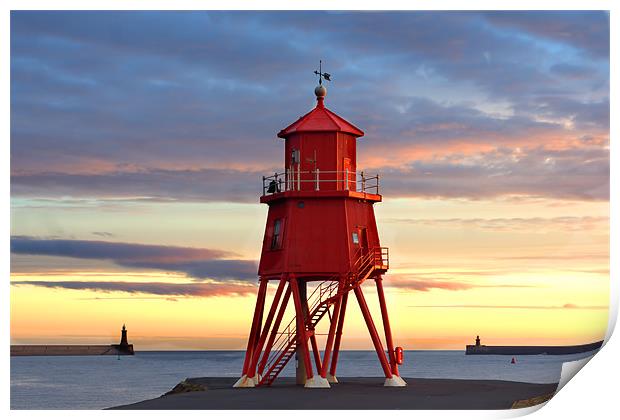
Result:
[{"x": 320, "y": 245}]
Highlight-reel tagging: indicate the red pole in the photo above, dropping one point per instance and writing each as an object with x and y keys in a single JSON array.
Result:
[
  {"x": 315, "y": 352},
  {"x": 315, "y": 346},
  {"x": 343, "y": 310},
  {"x": 373, "y": 331},
  {"x": 330, "y": 337},
  {"x": 260, "y": 321},
  {"x": 302, "y": 337},
  {"x": 386, "y": 326},
  {"x": 260, "y": 301},
  {"x": 259, "y": 347},
  {"x": 274, "y": 331}
]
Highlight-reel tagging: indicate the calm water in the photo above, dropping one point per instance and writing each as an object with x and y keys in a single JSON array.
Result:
[{"x": 94, "y": 382}]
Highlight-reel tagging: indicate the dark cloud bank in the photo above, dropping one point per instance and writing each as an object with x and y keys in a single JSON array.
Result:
[
  {"x": 154, "y": 288},
  {"x": 198, "y": 263}
]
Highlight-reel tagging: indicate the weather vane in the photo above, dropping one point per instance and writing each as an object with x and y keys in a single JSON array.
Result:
[{"x": 322, "y": 75}]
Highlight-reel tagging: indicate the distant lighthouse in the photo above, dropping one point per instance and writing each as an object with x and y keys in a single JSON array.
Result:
[
  {"x": 320, "y": 232},
  {"x": 124, "y": 342},
  {"x": 124, "y": 347}
]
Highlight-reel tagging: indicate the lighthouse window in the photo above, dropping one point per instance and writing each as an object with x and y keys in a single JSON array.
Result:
[
  {"x": 356, "y": 238},
  {"x": 277, "y": 231}
]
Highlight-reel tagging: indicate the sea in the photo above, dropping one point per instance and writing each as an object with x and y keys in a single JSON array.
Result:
[{"x": 96, "y": 382}]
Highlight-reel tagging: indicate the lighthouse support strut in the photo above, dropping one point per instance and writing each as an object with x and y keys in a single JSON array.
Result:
[
  {"x": 343, "y": 309},
  {"x": 274, "y": 330},
  {"x": 330, "y": 336},
  {"x": 244, "y": 381},
  {"x": 373, "y": 332},
  {"x": 386, "y": 326},
  {"x": 315, "y": 352},
  {"x": 395, "y": 380},
  {"x": 315, "y": 346},
  {"x": 302, "y": 337},
  {"x": 261, "y": 341}
]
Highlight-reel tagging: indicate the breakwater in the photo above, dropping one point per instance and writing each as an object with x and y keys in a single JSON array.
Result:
[
  {"x": 71, "y": 350},
  {"x": 532, "y": 350}
]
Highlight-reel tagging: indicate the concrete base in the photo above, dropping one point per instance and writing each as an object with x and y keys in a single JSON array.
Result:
[
  {"x": 394, "y": 381},
  {"x": 317, "y": 382},
  {"x": 245, "y": 382},
  {"x": 332, "y": 379},
  {"x": 352, "y": 394},
  {"x": 242, "y": 382}
]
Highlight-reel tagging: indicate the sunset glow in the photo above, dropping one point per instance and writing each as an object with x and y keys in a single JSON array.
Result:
[{"x": 136, "y": 170}]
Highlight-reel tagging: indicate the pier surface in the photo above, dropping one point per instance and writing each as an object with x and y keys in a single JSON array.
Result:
[{"x": 351, "y": 393}]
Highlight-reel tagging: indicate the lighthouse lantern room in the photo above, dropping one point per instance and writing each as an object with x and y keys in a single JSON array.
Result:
[{"x": 320, "y": 245}]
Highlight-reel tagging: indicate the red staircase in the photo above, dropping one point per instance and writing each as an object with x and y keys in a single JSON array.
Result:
[{"x": 373, "y": 262}]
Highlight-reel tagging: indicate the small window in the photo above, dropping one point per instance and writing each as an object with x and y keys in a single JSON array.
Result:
[
  {"x": 277, "y": 231},
  {"x": 356, "y": 238}
]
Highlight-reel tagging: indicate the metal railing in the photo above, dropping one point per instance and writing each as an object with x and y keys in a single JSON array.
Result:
[{"x": 317, "y": 180}]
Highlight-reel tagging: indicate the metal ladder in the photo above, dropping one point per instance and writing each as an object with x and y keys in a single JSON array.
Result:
[{"x": 322, "y": 297}]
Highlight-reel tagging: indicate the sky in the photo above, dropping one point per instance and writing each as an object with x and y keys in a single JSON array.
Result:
[{"x": 139, "y": 139}]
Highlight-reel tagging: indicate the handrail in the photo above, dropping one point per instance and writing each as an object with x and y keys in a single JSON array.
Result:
[
  {"x": 331, "y": 289},
  {"x": 292, "y": 180}
]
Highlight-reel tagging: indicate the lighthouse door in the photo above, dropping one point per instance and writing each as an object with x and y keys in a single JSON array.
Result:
[{"x": 364, "y": 240}]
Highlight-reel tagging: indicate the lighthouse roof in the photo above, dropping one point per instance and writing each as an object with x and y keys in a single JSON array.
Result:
[{"x": 320, "y": 119}]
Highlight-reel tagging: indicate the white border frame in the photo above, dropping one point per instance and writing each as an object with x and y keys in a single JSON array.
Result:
[{"x": 591, "y": 396}]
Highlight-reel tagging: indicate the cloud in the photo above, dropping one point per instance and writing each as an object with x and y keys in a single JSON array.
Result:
[
  {"x": 103, "y": 234},
  {"x": 145, "y": 185},
  {"x": 551, "y": 257},
  {"x": 573, "y": 71},
  {"x": 566, "y": 174},
  {"x": 565, "y": 223},
  {"x": 584, "y": 30},
  {"x": 199, "y": 263},
  {"x": 164, "y": 289},
  {"x": 593, "y": 115},
  {"x": 408, "y": 282},
  {"x": 185, "y": 105},
  {"x": 428, "y": 285},
  {"x": 570, "y": 306}
]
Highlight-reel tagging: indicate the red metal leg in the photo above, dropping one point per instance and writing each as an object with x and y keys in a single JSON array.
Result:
[
  {"x": 313, "y": 343},
  {"x": 261, "y": 341},
  {"x": 260, "y": 322},
  {"x": 302, "y": 336},
  {"x": 260, "y": 302},
  {"x": 274, "y": 331},
  {"x": 373, "y": 331},
  {"x": 315, "y": 352},
  {"x": 386, "y": 326},
  {"x": 343, "y": 310},
  {"x": 330, "y": 337}
]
